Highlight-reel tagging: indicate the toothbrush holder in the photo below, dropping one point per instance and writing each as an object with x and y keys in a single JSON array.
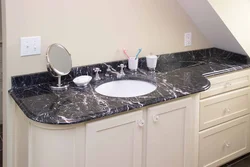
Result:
[
  {"x": 133, "y": 63},
  {"x": 151, "y": 62}
]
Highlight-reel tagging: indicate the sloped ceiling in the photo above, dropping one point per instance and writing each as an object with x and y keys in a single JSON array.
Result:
[
  {"x": 236, "y": 16},
  {"x": 211, "y": 25}
]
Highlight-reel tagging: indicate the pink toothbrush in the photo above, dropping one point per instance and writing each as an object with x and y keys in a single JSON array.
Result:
[{"x": 125, "y": 52}]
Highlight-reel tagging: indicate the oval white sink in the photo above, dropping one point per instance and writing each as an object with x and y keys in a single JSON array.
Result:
[{"x": 125, "y": 88}]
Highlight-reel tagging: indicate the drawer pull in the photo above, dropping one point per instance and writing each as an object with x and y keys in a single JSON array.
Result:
[
  {"x": 156, "y": 118},
  {"x": 140, "y": 122},
  {"x": 227, "y": 111},
  {"x": 227, "y": 84},
  {"x": 227, "y": 144}
]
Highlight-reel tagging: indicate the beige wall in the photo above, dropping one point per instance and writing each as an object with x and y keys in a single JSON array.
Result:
[
  {"x": 235, "y": 14},
  {"x": 93, "y": 31},
  {"x": 211, "y": 25}
]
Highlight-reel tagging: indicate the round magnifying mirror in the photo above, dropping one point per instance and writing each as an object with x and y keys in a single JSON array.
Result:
[{"x": 59, "y": 63}]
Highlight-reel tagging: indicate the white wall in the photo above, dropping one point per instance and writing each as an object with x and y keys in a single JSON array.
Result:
[
  {"x": 211, "y": 25},
  {"x": 236, "y": 16}
]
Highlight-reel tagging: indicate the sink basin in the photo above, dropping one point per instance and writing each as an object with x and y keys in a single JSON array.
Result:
[{"x": 125, "y": 88}]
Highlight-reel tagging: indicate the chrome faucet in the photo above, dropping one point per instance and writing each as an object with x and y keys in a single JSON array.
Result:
[
  {"x": 122, "y": 66},
  {"x": 110, "y": 71},
  {"x": 97, "y": 77}
]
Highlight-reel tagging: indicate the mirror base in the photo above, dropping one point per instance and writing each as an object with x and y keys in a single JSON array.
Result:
[{"x": 58, "y": 88}]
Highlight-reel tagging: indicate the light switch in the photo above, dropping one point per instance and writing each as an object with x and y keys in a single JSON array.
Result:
[{"x": 30, "y": 46}]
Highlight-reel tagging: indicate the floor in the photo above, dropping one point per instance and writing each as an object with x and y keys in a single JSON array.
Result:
[{"x": 243, "y": 161}]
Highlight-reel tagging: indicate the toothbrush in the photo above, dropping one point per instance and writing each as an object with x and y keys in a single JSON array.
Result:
[
  {"x": 139, "y": 51},
  {"x": 125, "y": 52}
]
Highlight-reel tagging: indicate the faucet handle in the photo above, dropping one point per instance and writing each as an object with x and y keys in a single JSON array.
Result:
[
  {"x": 122, "y": 66},
  {"x": 97, "y": 70},
  {"x": 109, "y": 67}
]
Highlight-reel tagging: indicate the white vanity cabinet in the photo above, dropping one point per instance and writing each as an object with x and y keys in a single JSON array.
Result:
[
  {"x": 171, "y": 134},
  {"x": 224, "y": 119},
  {"x": 203, "y": 130},
  {"x": 116, "y": 141},
  {"x": 161, "y": 135},
  {"x": 165, "y": 138}
]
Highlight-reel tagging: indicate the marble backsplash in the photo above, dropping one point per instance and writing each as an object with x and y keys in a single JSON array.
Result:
[{"x": 167, "y": 62}]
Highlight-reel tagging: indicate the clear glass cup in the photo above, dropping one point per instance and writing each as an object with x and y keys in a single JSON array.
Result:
[{"x": 133, "y": 63}]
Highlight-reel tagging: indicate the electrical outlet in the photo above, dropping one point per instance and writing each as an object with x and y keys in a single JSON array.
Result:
[
  {"x": 30, "y": 46},
  {"x": 188, "y": 39}
]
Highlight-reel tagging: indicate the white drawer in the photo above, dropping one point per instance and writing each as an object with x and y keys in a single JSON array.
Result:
[
  {"x": 227, "y": 82},
  {"x": 224, "y": 107},
  {"x": 224, "y": 143}
]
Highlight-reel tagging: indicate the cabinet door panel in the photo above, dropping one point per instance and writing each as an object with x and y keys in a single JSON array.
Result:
[
  {"x": 115, "y": 141},
  {"x": 169, "y": 135},
  {"x": 227, "y": 82},
  {"x": 224, "y": 142},
  {"x": 225, "y": 107}
]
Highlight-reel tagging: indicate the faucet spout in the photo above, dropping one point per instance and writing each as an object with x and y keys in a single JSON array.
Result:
[
  {"x": 118, "y": 75},
  {"x": 111, "y": 71}
]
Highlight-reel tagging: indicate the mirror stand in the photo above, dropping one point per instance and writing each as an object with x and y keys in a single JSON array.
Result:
[
  {"x": 59, "y": 64},
  {"x": 59, "y": 85}
]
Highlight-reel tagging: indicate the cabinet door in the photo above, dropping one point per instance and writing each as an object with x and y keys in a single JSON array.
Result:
[
  {"x": 227, "y": 82},
  {"x": 115, "y": 141},
  {"x": 223, "y": 143},
  {"x": 170, "y": 134},
  {"x": 225, "y": 107}
]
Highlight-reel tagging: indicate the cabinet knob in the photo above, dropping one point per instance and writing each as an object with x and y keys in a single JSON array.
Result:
[
  {"x": 227, "y": 84},
  {"x": 227, "y": 144},
  {"x": 141, "y": 122},
  {"x": 156, "y": 118},
  {"x": 227, "y": 111}
]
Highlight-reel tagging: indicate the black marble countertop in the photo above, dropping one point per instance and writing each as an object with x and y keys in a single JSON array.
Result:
[{"x": 177, "y": 75}]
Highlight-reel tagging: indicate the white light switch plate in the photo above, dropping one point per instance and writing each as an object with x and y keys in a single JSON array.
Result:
[
  {"x": 188, "y": 39},
  {"x": 30, "y": 46}
]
